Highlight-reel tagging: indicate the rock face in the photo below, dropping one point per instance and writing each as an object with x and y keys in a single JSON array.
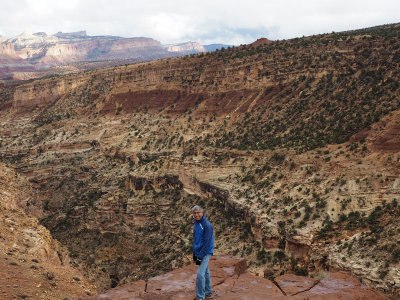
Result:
[
  {"x": 32, "y": 264},
  {"x": 230, "y": 281}
]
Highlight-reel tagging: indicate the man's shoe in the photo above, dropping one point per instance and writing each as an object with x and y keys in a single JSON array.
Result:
[
  {"x": 198, "y": 298},
  {"x": 209, "y": 296}
]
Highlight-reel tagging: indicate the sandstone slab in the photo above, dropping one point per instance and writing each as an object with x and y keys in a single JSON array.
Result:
[
  {"x": 247, "y": 287},
  {"x": 179, "y": 283},
  {"x": 341, "y": 285},
  {"x": 230, "y": 281},
  {"x": 184, "y": 279},
  {"x": 291, "y": 284},
  {"x": 130, "y": 291}
]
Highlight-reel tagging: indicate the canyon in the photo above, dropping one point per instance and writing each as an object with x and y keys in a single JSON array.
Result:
[{"x": 292, "y": 146}]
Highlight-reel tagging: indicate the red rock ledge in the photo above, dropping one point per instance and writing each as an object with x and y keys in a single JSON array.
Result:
[{"x": 230, "y": 281}]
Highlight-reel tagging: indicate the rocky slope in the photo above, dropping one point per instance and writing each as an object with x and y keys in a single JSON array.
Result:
[
  {"x": 32, "y": 264},
  {"x": 292, "y": 146}
]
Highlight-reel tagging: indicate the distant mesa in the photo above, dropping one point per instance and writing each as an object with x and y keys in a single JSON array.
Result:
[
  {"x": 191, "y": 47},
  {"x": 194, "y": 47},
  {"x": 76, "y": 34},
  {"x": 62, "y": 52},
  {"x": 41, "y": 34}
]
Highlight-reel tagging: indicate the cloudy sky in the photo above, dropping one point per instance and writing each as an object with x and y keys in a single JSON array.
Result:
[{"x": 204, "y": 21}]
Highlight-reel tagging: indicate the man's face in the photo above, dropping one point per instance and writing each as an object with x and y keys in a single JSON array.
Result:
[{"x": 197, "y": 215}]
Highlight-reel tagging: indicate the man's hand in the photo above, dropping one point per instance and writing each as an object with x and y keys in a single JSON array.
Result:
[{"x": 198, "y": 261}]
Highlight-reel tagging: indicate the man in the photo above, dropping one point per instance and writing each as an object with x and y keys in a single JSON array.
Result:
[{"x": 203, "y": 248}]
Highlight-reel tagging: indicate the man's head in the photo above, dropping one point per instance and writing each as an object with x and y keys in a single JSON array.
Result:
[{"x": 198, "y": 212}]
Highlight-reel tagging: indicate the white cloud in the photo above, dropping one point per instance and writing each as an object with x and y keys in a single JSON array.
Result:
[
  {"x": 205, "y": 21},
  {"x": 170, "y": 26}
]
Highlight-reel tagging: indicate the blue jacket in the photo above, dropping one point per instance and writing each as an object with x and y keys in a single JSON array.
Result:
[{"x": 203, "y": 238}]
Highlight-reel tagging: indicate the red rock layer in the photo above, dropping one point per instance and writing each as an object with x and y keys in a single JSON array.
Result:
[{"x": 230, "y": 281}]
